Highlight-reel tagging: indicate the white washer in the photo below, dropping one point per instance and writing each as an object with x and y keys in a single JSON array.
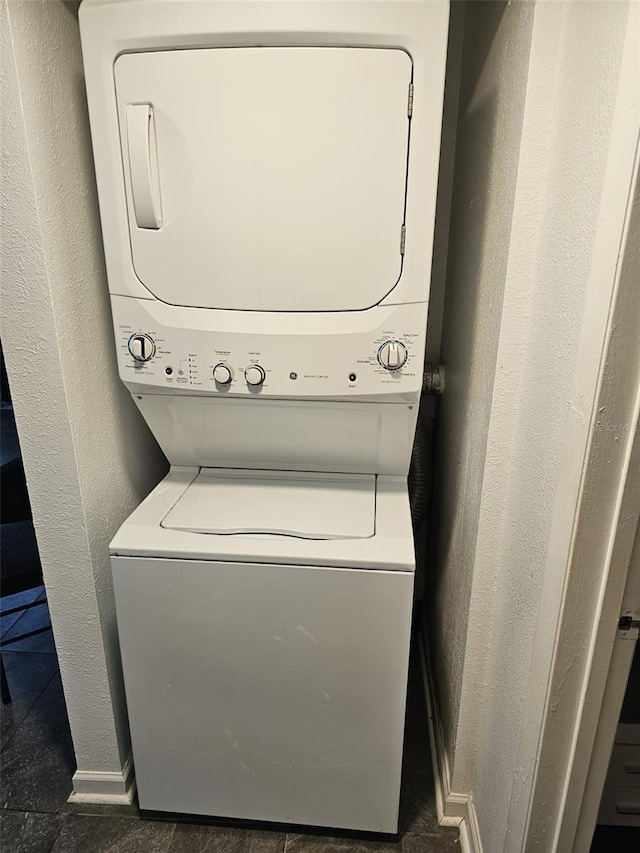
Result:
[
  {"x": 267, "y": 176},
  {"x": 266, "y": 675}
]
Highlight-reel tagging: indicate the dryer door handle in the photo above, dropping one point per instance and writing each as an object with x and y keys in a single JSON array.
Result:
[{"x": 143, "y": 166}]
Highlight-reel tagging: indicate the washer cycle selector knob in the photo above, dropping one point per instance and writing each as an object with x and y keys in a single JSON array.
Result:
[
  {"x": 392, "y": 355},
  {"x": 222, "y": 374},
  {"x": 254, "y": 375},
  {"x": 141, "y": 347}
]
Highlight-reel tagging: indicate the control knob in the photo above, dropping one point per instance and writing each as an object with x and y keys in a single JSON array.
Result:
[
  {"x": 141, "y": 347},
  {"x": 254, "y": 375},
  {"x": 222, "y": 374},
  {"x": 392, "y": 355}
]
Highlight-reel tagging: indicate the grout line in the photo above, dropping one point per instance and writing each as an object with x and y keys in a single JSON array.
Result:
[
  {"x": 129, "y": 817},
  {"x": 8, "y": 630},
  {"x": 11, "y": 647},
  {"x": 8, "y": 651},
  {"x": 46, "y": 618},
  {"x": 33, "y": 705},
  {"x": 171, "y": 837},
  {"x": 58, "y": 834},
  {"x": 21, "y": 810},
  {"x": 28, "y": 600}
]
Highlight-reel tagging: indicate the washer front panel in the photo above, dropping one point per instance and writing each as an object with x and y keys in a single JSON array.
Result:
[{"x": 291, "y": 708}]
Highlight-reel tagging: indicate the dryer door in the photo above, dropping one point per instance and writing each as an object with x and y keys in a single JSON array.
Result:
[{"x": 266, "y": 179}]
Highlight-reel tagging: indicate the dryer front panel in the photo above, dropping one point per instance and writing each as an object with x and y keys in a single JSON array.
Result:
[{"x": 266, "y": 178}]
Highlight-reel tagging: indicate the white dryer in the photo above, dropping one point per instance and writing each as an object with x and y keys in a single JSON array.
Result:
[{"x": 267, "y": 176}]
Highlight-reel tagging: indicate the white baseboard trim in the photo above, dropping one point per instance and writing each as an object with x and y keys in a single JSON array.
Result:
[
  {"x": 114, "y": 788},
  {"x": 453, "y": 809}
]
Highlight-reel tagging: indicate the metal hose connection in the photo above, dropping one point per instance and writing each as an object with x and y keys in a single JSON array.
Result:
[{"x": 433, "y": 378}]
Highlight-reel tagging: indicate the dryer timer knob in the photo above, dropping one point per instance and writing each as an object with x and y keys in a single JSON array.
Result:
[
  {"x": 141, "y": 347},
  {"x": 392, "y": 355}
]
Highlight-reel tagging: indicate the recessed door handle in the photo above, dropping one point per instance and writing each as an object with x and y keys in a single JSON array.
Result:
[
  {"x": 632, "y": 768},
  {"x": 143, "y": 166}
]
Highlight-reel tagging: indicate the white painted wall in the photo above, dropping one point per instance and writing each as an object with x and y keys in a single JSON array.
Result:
[
  {"x": 586, "y": 671},
  {"x": 525, "y": 327},
  {"x": 88, "y": 456},
  {"x": 493, "y": 78}
]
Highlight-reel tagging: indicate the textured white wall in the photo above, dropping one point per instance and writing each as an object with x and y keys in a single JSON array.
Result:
[
  {"x": 525, "y": 324},
  {"x": 493, "y": 78},
  {"x": 88, "y": 456},
  {"x": 552, "y": 339}
]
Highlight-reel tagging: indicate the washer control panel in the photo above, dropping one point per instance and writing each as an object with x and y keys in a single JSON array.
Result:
[{"x": 292, "y": 361}]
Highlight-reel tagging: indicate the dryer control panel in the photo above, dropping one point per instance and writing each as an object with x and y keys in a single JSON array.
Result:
[{"x": 377, "y": 354}]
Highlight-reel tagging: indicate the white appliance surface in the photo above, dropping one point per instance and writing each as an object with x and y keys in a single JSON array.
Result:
[
  {"x": 335, "y": 355},
  {"x": 266, "y": 692},
  {"x": 351, "y": 65},
  {"x": 265, "y": 674},
  {"x": 282, "y": 435},
  {"x": 267, "y": 177},
  {"x": 299, "y": 504},
  {"x": 390, "y": 548},
  {"x": 281, "y": 174}
]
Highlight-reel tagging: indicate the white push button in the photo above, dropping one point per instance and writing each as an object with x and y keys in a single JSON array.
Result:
[{"x": 254, "y": 375}]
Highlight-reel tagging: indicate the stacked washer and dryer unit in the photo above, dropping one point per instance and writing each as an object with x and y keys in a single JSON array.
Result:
[{"x": 267, "y": 178}]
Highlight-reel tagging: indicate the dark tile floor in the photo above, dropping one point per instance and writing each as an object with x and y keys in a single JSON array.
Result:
[
  {"x": 616, "y": 839},
  {"x": 37, "y": 765}
]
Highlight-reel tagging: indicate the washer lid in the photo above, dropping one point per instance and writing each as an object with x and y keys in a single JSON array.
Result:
[
  {"x": 302, "y": 505},
  {"x": 266, "y": 178}
]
